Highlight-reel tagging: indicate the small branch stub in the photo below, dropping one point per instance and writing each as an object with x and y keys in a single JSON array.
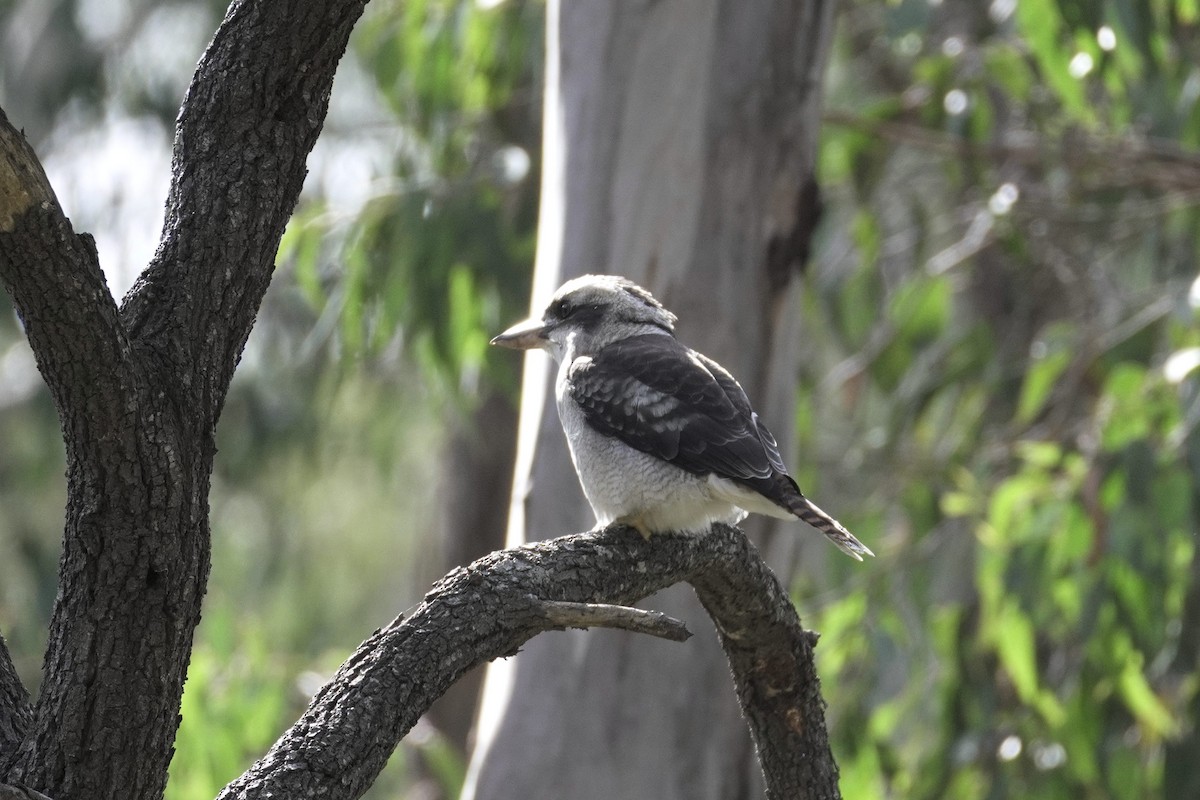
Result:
[{"x": 562, "y": 614}]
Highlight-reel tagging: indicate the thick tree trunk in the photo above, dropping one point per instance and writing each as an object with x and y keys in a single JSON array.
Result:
[
  {"x": 139, "y": 390},
  {"x": 678, "y": 150}
]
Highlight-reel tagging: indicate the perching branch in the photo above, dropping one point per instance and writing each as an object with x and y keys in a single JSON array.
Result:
[{"x": 489, "y": 609}]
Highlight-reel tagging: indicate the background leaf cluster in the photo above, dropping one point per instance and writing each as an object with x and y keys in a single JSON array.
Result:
[{"x": 1004, "y": 307}]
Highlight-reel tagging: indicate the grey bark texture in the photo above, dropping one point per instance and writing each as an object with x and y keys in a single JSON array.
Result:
[
  {"x": 679, "y": 147},
  {"x": 494, "y": 606},
  {"x": 139, "y": 389},
  {"x": 15, "y": 710}
]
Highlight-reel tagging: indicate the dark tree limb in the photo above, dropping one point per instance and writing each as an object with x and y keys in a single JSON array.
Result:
[
  {"x": 139, "y": 390},
  {"x": 53, "y": 276},
  {"x": 15, "y": 711},
  {"x": 490, "y": 608},
  {"x": 252, "y": 114},
  {"x": 771, "y": 657}
]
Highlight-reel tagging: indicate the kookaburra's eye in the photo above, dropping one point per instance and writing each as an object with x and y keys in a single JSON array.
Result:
[{"x": 563, "y": 309}]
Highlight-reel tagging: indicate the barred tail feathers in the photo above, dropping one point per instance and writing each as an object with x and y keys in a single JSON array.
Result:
[{"x": 836, "y": 532}]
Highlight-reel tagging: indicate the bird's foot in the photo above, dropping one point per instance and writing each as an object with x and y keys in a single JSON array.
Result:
[{"x": 637, "y": 524}]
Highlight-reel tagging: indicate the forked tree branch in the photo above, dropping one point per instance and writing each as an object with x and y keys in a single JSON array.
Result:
[
  {"x": 489, "y": 609},
  {"x": 54, "y": 278},
  {"x": 139, "y": 390},
  {"x": 252, "y": 114}
]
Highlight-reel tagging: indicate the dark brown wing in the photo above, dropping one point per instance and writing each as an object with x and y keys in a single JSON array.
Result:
[{"x": 662, "y": 398}]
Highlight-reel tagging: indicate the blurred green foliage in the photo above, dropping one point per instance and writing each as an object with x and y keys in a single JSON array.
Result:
[
  {"x": 1001, "y": 322},
  {"x": 441, "y": 252}
]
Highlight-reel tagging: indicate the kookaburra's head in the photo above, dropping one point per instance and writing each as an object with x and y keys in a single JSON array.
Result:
[{"x": 588, "y": 313}]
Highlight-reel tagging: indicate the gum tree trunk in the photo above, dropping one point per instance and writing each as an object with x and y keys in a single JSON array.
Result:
[{"x": 679, "y": 141}]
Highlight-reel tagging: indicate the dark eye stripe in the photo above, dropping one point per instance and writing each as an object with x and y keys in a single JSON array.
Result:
[{"x": 587, "y": 316}]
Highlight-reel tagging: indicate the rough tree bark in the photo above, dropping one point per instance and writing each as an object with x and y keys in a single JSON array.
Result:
[
  {"x": 679, "y": 144},
  {"x": 139, "y": 389},
  {"x": 492, "y": 607}
]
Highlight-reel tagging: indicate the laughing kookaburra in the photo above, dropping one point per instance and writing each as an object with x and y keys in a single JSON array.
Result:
[{"x": 663, "y": 438}]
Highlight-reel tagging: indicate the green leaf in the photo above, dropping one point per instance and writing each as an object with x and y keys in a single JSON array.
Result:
[
  {"x": 1141, "y": 700},
  {"x": 1012, "y": 636},
  {"x": 1042, "y": 29},
  {"x": 1039, "y": 382},
  {"x": 1124, "y": 412},
  {"x": 921, "y": 308},
  {"x": 1045, "y": 455},
  {"x": 1012, "y": 506},
  {"x": 862, "y": 775}
]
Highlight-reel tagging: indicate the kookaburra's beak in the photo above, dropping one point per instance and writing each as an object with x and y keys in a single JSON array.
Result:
[{"x": 525, "y": 335}]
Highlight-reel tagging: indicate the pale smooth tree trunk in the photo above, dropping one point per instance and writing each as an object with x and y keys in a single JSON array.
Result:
[{"x": 679, "y": 143}]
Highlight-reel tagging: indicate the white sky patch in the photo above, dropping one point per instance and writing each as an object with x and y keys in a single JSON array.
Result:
[
  {"x": 111, "y": 177},
  {"x": 1194, "y": 293},
  {"x": 102, "y": 20},
  {"x": 167, "y": 47},
  {"x": 352, "y": 162},
  {"x": 1010, "y": 748},
  {"x": 1106, "y": 37},
  {"x": 1081, "y": 64},
  {"x": 955, "y": 102},
  {"x": 347, "y": 173},
  {"x": 1002, "y": 201},
  {"x": 908, "y": 45},
  {"x": 112, "y": 173},
  {"x": 19, "y": 376},
  {"x": 1181, "y": 363},
  {"x": 1050, "y": 756},
  {"x": 1000, "y": 10},
  {"x": 513, "y": 163}
]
